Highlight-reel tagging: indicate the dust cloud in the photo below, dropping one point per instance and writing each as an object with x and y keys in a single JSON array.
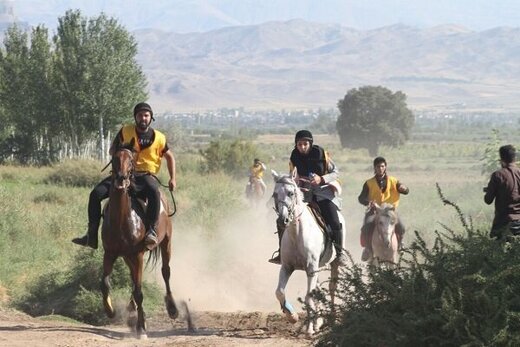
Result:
[{"x": 228, "y": 271}]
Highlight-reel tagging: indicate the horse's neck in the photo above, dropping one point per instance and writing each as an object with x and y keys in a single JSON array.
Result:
[
  {"x": 120, "y": 204},
  {"x": 301, "y": 216}
]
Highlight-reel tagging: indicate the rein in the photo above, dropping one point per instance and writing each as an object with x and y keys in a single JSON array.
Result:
[
  {"x": 160, "y": 183},
  {"x": 171, "y": 194}
]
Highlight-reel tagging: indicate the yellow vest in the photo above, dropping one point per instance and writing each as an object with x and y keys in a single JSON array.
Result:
[
  {"x": 148, "y": 159},
  {"x": 257, "y": 171},
  {"x": 390, "y": 195}
]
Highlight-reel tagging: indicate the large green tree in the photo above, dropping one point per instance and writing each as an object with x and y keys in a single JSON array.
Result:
[
  {"x": 58, "y": 96},
  {"x": 97, "y": 76},
  {"x": 373, "y": 116},
  {"x": 13, "y": 96}
]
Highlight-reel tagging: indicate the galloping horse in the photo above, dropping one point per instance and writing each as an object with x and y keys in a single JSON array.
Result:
[
  {"x": 123, "y": 235},
  {"x": 384, "y": 239},
  {"x": 254, "y": 191},
  {"x": 304, "y": 246}
]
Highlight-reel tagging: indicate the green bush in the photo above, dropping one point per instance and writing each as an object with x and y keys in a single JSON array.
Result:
[
  {"x": 231, "y": 157},
  {"x": 76, "y": 173},
  {"x": 463, "y": 291},
  {"x": 74, "y": 292}
]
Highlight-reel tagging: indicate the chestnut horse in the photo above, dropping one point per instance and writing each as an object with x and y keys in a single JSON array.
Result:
[{"x": 123, "y": 235}]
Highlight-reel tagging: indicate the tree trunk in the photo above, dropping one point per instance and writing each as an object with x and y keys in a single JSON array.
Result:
[{"x": 102, "y": 154}]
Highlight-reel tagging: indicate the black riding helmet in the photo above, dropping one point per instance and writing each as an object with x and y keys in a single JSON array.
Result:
[
  {"x": 143, "y": 106},
  {"x": 303, "y": 135}
]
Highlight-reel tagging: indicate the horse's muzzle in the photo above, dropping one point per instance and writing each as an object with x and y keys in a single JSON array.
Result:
[{"x": 121, "y": 182}]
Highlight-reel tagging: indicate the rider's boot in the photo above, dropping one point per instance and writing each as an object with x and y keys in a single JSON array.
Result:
[
  {"x": 150, "y": 239},
  {"x": 338, "y": 246},
  {"x": 367, "y": 253},
  {"x": 277, "y": 259},
  {"x": 91, "y": 238}
]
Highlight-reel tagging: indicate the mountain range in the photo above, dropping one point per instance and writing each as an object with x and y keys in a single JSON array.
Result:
[{"x": 301, "y": 64}]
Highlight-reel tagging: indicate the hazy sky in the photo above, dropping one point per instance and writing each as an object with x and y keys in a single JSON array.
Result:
[{"x": 203, "y": 15}]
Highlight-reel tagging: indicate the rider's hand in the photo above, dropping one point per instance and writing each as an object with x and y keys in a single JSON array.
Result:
[
  {"x": 172, "y": 184},
  {"x": 316, "y": 179}
]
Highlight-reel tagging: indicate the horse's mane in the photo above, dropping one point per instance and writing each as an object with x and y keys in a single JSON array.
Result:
[
  {"x": 126, "y": 146},
  {"x": 286, "y": 179},
  {"x": 387, "y": 209}
]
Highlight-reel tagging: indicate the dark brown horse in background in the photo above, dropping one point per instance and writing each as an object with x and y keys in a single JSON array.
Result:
[{"x": 123, "y": 235}]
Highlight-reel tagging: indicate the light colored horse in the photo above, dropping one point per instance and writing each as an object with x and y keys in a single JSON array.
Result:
[
  {"x": 304, "y": 246},
  {"x": 254, "y": 191},
  {"x": 385, "y": 247}
]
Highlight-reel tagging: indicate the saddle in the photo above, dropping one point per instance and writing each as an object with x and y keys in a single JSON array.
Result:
[{"x": 316, "y": 212}]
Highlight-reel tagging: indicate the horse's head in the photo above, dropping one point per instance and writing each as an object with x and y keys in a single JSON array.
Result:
[
  {"x": 287, "y": 196},
  {"x": 123, "y": 166},
  {"x": 385, "y": 221}
]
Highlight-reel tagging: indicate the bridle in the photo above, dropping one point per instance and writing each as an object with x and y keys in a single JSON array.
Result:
[
  {"x": 117, "y": 175},
  {"x": 291, "y": 205}
]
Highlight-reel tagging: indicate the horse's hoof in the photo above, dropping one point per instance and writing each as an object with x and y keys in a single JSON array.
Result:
[
  {"x": 171, "y": 307},
  {"x": 293, "y": 318},
  {"x": 142, "y": 336}
]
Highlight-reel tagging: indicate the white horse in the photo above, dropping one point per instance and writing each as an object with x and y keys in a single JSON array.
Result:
[
  {"x": 385, "y": 247},
  {"x": 304, "y": 246}
]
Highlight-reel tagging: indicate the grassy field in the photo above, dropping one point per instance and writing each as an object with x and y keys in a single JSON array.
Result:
[{"x": 38, "y": 218}]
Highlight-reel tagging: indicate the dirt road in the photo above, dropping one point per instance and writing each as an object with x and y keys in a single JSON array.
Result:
[{"x": 211, "y": 329}]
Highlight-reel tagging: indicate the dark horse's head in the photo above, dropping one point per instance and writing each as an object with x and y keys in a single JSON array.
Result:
[{"x": 123, "y": 166}]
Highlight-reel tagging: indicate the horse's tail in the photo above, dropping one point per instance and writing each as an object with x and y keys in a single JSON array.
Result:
[{"x": 153, "y": 256}]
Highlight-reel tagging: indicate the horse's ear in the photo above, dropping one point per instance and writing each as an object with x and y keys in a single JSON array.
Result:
[
  {"x": 132, "y": 143},
  {"x": 275, "y": 175}
]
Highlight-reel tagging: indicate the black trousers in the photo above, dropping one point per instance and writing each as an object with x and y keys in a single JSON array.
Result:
[
  {"x": 146, "y": 186},
  {"x": 329, "y": 211}
]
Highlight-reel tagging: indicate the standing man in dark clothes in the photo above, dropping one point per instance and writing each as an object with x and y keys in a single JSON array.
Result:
[{"x": 504, "y": 188}]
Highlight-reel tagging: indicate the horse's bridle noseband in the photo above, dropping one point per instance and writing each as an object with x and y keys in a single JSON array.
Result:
[
  {"x": 291, "y": 207},
  {"x": 125, "y": 179}
]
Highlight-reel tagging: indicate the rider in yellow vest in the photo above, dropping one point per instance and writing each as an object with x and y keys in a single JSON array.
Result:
[
  {"x": 150, "y": 147},
  {"x": 380, "y": 189},
  {"x": 256, "y": 172}
]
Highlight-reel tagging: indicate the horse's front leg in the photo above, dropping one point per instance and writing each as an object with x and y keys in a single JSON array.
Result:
[
  {"x": 165, "y": 270},
  {"x": 135, "y": 263},
  {"x": 333, "y": 284},
  {"x": 287, "y": 308},
  {"x": 315, "y": 322},
  {"x": 108, "y": 266}
]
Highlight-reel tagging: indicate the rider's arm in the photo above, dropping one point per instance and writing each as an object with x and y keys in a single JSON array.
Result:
[
  {"x": 402, "y": 189},
  {"x": 332, "y": 175},
  {"x": 170, "y": 164},
  {"x": 491, "y": 189},
  {"x": 363, "y": 196}
]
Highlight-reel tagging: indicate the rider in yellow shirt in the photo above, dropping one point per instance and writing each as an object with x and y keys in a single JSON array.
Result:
[
  {"x": 380, "y": 189},
  {"x": 256, "y": 172},
  {"x": 150, "y": 147}
]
